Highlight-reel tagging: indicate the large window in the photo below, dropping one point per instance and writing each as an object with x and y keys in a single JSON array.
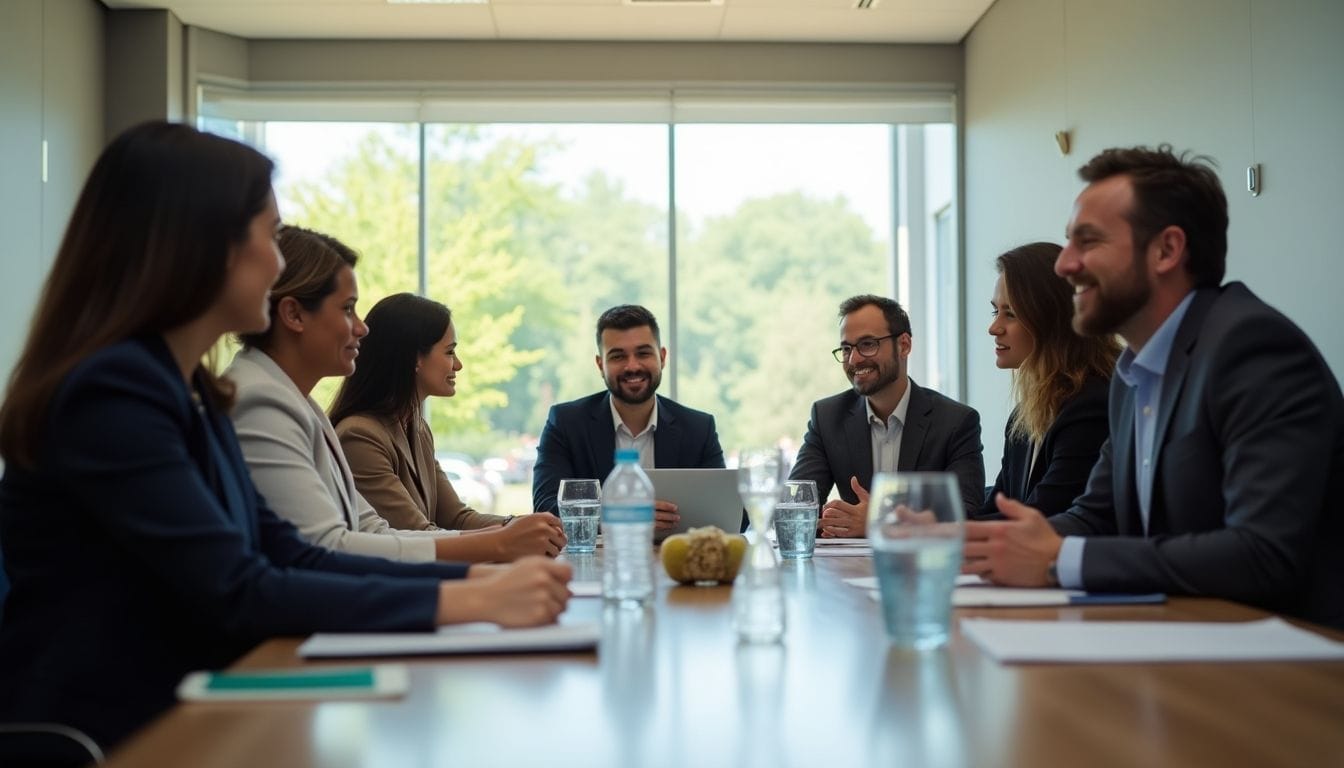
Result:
[{"x": 529, "y": 230}]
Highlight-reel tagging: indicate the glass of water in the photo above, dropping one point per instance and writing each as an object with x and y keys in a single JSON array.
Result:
[
  {"x": 915, "y": 524},
  {"x": 796, "y": 519},
  {"x": 580, "y": 502},
  {"x": 758, "y": 596}
]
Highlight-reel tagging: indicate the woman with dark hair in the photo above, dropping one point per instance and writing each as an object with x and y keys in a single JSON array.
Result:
[
  {"x": 409, "y": 355},
  {"x": 291, "y": 447},
  {"x": 1060, "y": 384},
  {"x": 137, "y": 546}
]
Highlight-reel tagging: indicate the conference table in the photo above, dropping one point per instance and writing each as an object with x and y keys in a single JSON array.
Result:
[{"x": 671, "y": 686}]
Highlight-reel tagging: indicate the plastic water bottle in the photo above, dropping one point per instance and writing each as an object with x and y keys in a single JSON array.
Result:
[{"x": 627, "y": 531}]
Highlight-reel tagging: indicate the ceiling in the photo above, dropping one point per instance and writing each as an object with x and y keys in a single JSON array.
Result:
[{"x": 831, "y": 21}]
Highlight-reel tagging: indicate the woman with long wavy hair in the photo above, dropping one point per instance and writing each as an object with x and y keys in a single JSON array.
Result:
[{"x": 1060, "y": 383}]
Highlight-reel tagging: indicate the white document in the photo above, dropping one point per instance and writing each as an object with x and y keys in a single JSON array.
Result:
[
  {"x": 842, "y": 548},
  {"x": 870, "y": 582},
  {"x": 585, "y": 588},
  {"x": 1009, "y": 597},
  {"x": 463, "y": 638},
  {"x": 1147, "y": 641}
]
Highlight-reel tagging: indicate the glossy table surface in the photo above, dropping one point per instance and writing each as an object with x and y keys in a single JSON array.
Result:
[{"x": 672, "y": 687}]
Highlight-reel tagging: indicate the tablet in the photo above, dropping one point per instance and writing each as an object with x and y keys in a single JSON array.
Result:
[{"x": 703, "y": 497}]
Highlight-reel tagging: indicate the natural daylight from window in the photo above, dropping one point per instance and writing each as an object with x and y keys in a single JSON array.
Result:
[{"x": 531, "y": 230}]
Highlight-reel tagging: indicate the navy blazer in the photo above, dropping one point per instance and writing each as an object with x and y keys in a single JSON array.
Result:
[
  {"x": 939, "y": 435},
  {"x": 140, "y": 551},
  {"x": 1249, "y": 470},
  {"x": 1068, "y": 452},
  {"x": 579, "y": 441}
]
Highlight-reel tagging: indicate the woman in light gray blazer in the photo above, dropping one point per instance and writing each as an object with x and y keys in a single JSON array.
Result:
[{"x": 293, "y": 453}]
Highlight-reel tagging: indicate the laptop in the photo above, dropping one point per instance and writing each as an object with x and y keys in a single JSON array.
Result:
[{"x": 703, "y": 497}]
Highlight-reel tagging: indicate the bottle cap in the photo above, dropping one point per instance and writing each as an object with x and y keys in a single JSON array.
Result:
[{"x": 627, "y": 454}]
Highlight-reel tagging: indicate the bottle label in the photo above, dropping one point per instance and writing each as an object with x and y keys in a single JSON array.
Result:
[{"x": 627, "y": 513}]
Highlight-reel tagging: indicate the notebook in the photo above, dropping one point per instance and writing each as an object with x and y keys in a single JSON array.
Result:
[
  {"x": 703, "y": 497},
  {"x": 378, "y": 681}
]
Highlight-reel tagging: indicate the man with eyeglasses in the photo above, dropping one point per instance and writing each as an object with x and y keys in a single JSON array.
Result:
[
  {"x": 884, "y": 423},
  {"x": 580, "y": 437}
]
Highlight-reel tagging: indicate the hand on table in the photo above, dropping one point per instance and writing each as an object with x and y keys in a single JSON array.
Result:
[{"x": 1015, "y": 552}]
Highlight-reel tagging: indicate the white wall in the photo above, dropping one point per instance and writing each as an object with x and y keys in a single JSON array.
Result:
[
  {"x": 51, "y": 88},
  {"x": 1254, "y": 81}
]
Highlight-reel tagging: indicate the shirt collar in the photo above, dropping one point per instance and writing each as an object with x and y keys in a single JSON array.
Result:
[
  {"x": 902, "y": 407},
  {"x": 1152, "y": 359},
  {"x": 617, "y": 424}
]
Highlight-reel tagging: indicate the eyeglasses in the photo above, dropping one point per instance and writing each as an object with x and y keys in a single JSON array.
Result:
[{"x": 866, "y": 347}]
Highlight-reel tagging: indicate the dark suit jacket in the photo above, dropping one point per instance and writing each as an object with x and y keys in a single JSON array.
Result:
[
  {"x": 1249, "y": 472},
  {"x": 939, "y": 435},
  {"x": 139, "y": 551},
  {"x": 1068, "y": 452},
  {"x": 578, "y": 441}
]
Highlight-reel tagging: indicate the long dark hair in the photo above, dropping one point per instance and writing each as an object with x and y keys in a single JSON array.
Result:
[
  {"x": 402, "y": 327},
  {"x": 313, "y": 261},
  {"x": 146, "y": 251},
  {"x": 1060, "y": 360}
]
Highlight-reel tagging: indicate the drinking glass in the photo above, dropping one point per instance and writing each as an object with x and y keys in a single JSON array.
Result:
[
  {"x": 796, "y": 519},
  {"x": 758, "y": 597},
  {"x": 915, "y": 524},
  {"x": 580, "y": 502}
]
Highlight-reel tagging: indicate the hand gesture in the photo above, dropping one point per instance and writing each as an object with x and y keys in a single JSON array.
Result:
[
  {"x": 1015, "y": 552},
  {"x": 840, "y": 519}
]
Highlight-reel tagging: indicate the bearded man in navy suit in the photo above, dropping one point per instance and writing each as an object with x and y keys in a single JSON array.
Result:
[
  {"x": 1225, "y": 465},
  {"x": 581, "y": 437}
]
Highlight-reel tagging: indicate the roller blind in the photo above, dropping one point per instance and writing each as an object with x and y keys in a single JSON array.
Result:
[{"x": 581, "y": 105}]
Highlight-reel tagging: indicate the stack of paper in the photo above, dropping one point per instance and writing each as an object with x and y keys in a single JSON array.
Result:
[
  {"x": 463, "y": 638},
  {"x": 972, "y": 591},
  {"x": 1147, "y": 641},
  {"x": 842, "y": 548}
]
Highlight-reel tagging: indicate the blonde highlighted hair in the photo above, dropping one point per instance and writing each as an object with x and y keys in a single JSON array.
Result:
[{"x": 1060, "y": 360}]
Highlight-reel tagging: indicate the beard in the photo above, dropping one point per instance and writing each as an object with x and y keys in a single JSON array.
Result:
[
  {"x": 886, "y": 374},
  {"x": 620, "y": 388},
  {"x": 1114, "y": 305}
]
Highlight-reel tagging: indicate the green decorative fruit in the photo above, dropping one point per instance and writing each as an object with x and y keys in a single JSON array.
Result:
[{"x": 703, "y": 554}]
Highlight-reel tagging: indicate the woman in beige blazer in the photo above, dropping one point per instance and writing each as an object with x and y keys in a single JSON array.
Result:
[
  {"x": 291, "y": 448},
  {"x": 409, "y": 355}
]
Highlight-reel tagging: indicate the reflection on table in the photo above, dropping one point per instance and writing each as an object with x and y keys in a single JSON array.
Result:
[{"x": 671, "y": 687}]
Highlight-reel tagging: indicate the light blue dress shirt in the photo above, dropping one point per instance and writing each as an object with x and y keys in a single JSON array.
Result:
[{"x": 1143, "y": 372}]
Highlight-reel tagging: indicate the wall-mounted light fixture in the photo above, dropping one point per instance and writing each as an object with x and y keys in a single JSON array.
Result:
[{"x": 1062, "y": 138}]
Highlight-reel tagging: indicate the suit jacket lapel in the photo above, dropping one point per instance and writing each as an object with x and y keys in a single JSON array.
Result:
[
  {"x": 1173, "y": 380},
  {"x": 411, "y": 462},
  {"x": 602, "y": 437},
  {"x": 858, "y": 436},
  {"x": 916, "y": 427},
  {"x": 667, "y": 439},
  {"x": 228, "y": 472},
  {"x": 1124, "y": 490},
  {"x": 339, "y": 469}
]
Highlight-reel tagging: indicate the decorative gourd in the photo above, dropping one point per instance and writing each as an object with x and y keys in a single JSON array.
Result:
[{"x": 703, "y": 554}]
